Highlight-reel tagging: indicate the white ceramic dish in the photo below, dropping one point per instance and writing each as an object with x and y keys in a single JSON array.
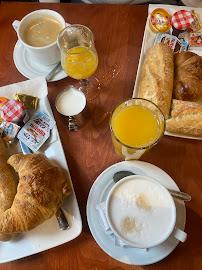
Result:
[
  {"x": 125, "y": 206},
  {"x": 148, "y": 41},
  {"x": 99, "y": 193},
  {"x": 48, "y": 234},
  {"x": 31, "y": 69}
]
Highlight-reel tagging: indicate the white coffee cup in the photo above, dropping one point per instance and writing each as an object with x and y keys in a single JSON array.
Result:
[
  {"x": 47, "y": 55},
  {"x": 141, "y": 212}
]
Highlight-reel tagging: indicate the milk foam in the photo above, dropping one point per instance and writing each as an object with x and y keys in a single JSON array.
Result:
[{"x": 146, "y": 206}]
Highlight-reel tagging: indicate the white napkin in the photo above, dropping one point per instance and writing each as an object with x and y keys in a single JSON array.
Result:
[
  {"x": 101, "y": 208},
  {"x": 34, "y": 87}
]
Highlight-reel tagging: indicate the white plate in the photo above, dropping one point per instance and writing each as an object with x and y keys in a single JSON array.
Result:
[
  {"x": 148, "y": 41},
  {"x": 99, "y": 192},
  {"x": 31, "y": 69},
  {"x": 48, "y": 234}
]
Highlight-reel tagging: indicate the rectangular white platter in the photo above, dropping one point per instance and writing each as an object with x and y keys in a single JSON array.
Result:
[
  {"x": 48, "y": 234},
  {"x": 148, "y": 41}
]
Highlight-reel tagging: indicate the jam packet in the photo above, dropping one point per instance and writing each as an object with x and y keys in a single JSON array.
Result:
[
  {"x": 172, "y": 41},
  {"x": 36, "y": 131},
  {"x": 181, "y": 21},
  {"x": 160, "y": 21},
  {"x": 196, "y": 40},
  {"x": 8, "y": 131},
  {"x": 196, "y": 24},
  {"x": 13, "y": 111},
  {"x": 3, "y": 100}
]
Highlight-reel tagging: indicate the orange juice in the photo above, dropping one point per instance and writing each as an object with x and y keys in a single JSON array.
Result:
[
  {"x": 80, "y": 62},
  {"x": 136, "y": 126}
]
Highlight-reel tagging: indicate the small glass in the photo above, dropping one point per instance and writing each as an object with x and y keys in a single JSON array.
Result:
[
  {"x": 79, "y": 58},
  {"x": 136, "y": 126}
]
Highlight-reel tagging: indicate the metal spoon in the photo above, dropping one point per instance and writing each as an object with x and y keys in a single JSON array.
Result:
[
  {"x": 176, "y": 194},
  {"x": 52, "y": 72},
  {"x": 62, "y": 220}
]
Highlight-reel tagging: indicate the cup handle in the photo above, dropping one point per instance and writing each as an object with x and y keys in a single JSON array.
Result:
[
  {"x": 15, "y": 25},
  {"x": 180, "y": 235}
]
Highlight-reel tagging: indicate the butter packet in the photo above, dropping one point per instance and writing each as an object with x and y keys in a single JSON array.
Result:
[
  {"x": 35, "y": 132},
  {"x": 29, "y": 102}
]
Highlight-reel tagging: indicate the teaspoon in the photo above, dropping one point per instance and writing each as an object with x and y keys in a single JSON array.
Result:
[{"x": 176, "y": 194}]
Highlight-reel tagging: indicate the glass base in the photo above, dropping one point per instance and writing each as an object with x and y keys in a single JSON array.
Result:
[{"x": 90, "y": 87}]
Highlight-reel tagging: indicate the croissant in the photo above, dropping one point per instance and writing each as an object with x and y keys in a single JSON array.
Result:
[
  {"x": 41, "y": 190},
  {"x": 188, "y": 76},
  {"x": 8, "y": 185}
]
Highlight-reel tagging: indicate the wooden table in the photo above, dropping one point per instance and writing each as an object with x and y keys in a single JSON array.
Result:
[{"x": 118, "y": 33}]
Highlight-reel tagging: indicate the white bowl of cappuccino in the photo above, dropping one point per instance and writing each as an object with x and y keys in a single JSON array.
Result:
[{"x": 141, "y": 212}]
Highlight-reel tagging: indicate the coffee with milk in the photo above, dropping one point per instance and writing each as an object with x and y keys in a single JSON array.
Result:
[
  {"x": 42, "y": 31},
  {"x": 141, "y": 212}
]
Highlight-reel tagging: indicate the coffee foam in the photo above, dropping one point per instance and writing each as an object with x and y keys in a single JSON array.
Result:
[{"x": 141, "y": 212}]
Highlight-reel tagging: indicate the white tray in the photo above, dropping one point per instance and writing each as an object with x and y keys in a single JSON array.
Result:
[
  {"x": 148, "y": 41},
  {"x": 48, "y": 234}
]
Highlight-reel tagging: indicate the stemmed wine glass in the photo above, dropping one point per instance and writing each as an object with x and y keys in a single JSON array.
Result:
[{"x": 79, "y": 58}]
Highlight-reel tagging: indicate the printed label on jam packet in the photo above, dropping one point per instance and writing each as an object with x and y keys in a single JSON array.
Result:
[
  {"x": 196, "y": 39},
  {"x": 35, "y": 132},
  {"x": 196, "y": 25},
  {"x": 8, "y": 131},
  {"x": 173, "y": 42}
]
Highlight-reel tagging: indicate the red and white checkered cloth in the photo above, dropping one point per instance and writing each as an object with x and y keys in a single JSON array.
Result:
[
  {"x": 13, "y": 111},
  {"x": 182, "y": 19}
]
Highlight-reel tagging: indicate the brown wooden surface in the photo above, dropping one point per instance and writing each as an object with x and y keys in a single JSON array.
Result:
[{"x": 118, "y": 32}]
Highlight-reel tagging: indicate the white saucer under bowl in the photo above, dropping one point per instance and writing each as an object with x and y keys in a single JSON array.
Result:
[
  {"x": 30, "y": 68},
  {"x": 99, "y": 192}
]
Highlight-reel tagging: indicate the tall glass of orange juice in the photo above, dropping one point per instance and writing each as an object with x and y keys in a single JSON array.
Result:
[
  {"x": 136, "y": 125},
  {"x": 79, "y": 58}
]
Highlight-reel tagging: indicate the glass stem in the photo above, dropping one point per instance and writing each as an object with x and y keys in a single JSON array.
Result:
[{"x": 84, "y": 82}]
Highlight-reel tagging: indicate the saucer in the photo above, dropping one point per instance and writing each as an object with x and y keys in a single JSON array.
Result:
[
  {"x": 99, "y": 192},
  {"x": 30, "y": 68}
]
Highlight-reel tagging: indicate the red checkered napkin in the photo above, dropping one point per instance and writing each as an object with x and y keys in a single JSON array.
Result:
[
  {"x": 13, "y": 111},
  {"x": 182, "y": 19}
]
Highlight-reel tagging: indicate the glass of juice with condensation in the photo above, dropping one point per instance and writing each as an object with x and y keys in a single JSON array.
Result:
[{"x": 136, "y": 125}]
